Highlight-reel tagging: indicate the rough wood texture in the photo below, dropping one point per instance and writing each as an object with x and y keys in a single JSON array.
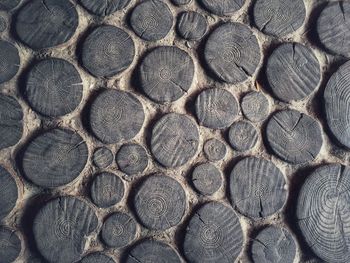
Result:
[
  {"x": 104, "y": 8},
  {"x": 109, "y": 116},
  {"x": 159, "y": 202},
  {"x": 294, "y": 136},
  {"x": 333, "y": 27},
  {"x": 222, "y": 7},
  {"x": 166, "y": 74},
  {"x": 151, "y": 20},
  {"x": 243, "y": 136},
  {"x": 107, "y": 189},
  {"x": 46, "y": 23},
  {"x": 264, "y": 194},
  {"x": 336, "y": 98},
  {"x": 216, "y": 108},
  {"x": 9, "y": 61},
  {"x": 213, "y": 234},
  {"x": 102, "y": 157},
  {"x": 118, "y": 230},
  {"x": 132, "y": 158},
  {"x": 11, "y": 121},
  {"x": 292, "y": 72},
  {"x": 207, "y": 178},
  {"x": 175, "y": 140},
  {"x": 54, "y": 87},
  {"x": 9, "y": 193},
  {"x": 323, "y": 212},
  {"x": 7, "y": 5},
  {"x": 273, "y": 244},
  {"x": 10, "y": 245},
  {"x": 255, "y": 106},
  {"x": 54, "y": 158},
  {"x": 152, "y": 251},
  {"x": 107, "y": 51},
  {"x": 61, "y": 228},
  {"x": 278, "y": 17},
  {"x": 191, "y": 25},
  {"x": 97, "y": 257},
  {"x": 214, "y": 150}
]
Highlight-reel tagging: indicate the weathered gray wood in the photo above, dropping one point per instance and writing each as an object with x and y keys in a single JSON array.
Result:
[
  {"x": 333, "y": 27},
  {"x": 9, "y": 61},
  {"x": 104, "y": 8},
  {"x": 159, "y": 202},
  {"x": 264, "y": 192},
  {"x": 54, "y": 158},
  {"x": 336, "y": 98},
  {"x": 107, "y": 51},
  {"x": 54, "y": 87},
  {"x": 214, "y": 150},
  {"x": 46, "y": 23},
  {"x": 323, "y": 212},
  {"x": 110, "y": 116},
  {"x": 213, "y": 234},
  {"x": 118, "y": 230},
  {"x": 11, "y": 121},
  {"x": 216, "y": 108},
  {"x": 222, "y": 7},
  {"x": 61, "y": 228},
  {"x": 294, "y": 136},
  {"x": 107, "y": 189},
  {"x": 3, "y": 24},
  {"x": 7, "y": 5},
  {"x": 232, "y": 52},
  {"x": 255, "y": 106},
  {"x": 292, "y": 72},
  {"x": 243, "y": 136},
  {"x": 180, "y": 2},
  {"x": 175, "y": 140},
  {"x": 132, "y": 158},
  {"x": 278, "y": 17},
  {"x": 102, "y": 157},
  {"x": 166, "y": 74},
  {"x": 191, "y": 25},
  {"x": 97, "y": 257},
  {"x": 151, "y": 20},
  {"x": 273, "y": 244},
  {"x": 10, "y": 245},
  {"x": 152, "y": 251},
  {"x": 9, "y": 193},
  {"x": 207, "y": 178}
]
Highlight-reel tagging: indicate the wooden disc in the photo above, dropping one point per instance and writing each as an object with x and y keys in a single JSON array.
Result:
[
  {"x": 9, "y": 193},
  {"x": 191, "y": 25},
  {"x": 207, "y": 178},
  {"x": 11, "y": 121},
  {"x": 232, "y": 52},
  {"x": 333, "y": 27},
  {"x": 61, "y": 229},
  {"x": 166, "y": 74},
  {"x": 10, "y": 245},
  {"x": 54, "y": 87},
  {"x": 107, "y": 51},
  {"x": 118, "y": 230},
  {"x": 110, "y": 116},
  {"x": 180, "y": 2},
  {"x": 9, "y": 61},
  {"x": 102, "y": 157},
  {"x": 54, "y": 158},
  {"x": 107, "y": 189},
  {"x": 216, "y": 108},
  {"x": 214, "y": 150},
  {"x": 273, "y": 244},
  {"x": 278, "y": 17},
  {"x": 243, "y": 136},
  {"x": 152, "y": 251},
  {"x": 323, "y": 212},
  {"x": 213, "y": 234},
  {"x": 97, "y": 257},
  {"x": 292, "y": 72},
  {"x": 175, "y": 140},
  {"x": 7, "y": 5},
  {"x": 336, "y": 97},
  {"x": 264, "y": 192},
  {"x": 104, "y": 8},
  {"x": 255, "y": 106},
  {"x": 222, "y": 7},
  {"x": 151, "y": 20},
  {"x": 46, "y": 23},
  {"x": 294, "y": 136},
  {"x": 132, "y": 158},
  {"x": 160, "y": 202}
]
